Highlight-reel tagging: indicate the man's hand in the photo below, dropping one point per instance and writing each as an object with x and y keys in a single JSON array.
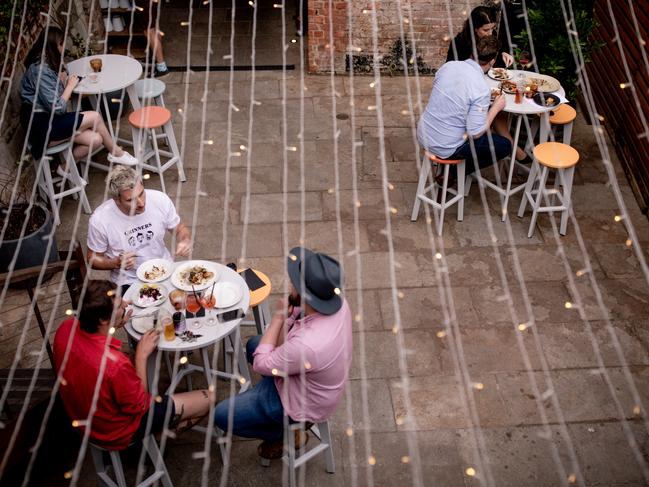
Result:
[
  {"x": 147, "y": 345},
  {"x": 72, "y": 81},
  {"x": 184, "y": 247},
  {"x": 499, "y": 103},
  {"x": 126, "y": 260},
  {"x": 283, "y": 309},
  {"x": 508, "y": 59}
]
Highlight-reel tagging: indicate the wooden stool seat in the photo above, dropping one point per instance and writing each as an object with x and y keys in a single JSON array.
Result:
[
  {"x": 563, "y": 115},
  {"x": 150, "y": 117},
  {"x": 556, "y": 155},
  {"x": 437, "y": 160},
  {"x": 260, "y": 295}
]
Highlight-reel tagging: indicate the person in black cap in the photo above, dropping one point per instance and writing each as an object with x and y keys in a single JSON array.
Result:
[{"x": 304, "y": 357}]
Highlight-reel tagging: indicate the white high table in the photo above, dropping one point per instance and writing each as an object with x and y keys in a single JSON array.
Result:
[
  {"x": 117, "y": 73},
  {"x": 519, "y": 110},
  {"x": 211, "y": 334}
]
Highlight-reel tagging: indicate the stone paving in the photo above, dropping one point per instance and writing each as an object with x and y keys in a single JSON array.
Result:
[{"x": 518, "y": 448}]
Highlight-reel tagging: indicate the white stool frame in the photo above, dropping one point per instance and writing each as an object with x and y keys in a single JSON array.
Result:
[
  {"x": 46, "y": 182},
  {"x": 423, "y": 190},
  {"x": 152, "y": 451},
  {"x": 563, "y": 180}
]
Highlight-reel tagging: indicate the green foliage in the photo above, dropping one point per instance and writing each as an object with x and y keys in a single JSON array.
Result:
[
  {"x": 34, "y": 7},
  {"x": 550, "y": 37},
  {"x": 79, "y": 48}
]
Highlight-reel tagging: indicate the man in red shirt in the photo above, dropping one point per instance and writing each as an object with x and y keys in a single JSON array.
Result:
[{"x": 85, "y": 351}]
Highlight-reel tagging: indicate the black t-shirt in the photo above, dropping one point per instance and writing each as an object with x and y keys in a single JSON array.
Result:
[{"x": 465, "y": 50}]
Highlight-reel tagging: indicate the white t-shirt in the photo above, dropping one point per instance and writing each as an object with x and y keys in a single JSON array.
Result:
[{"x": 112, "y": 232}]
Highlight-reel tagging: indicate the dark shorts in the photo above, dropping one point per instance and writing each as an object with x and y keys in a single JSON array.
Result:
[
  {"x": 63, "y": 127},
  {"x": 159, "y": 414}
]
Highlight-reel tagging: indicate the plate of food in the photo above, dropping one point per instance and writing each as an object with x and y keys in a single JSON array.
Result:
[
  {"x": 143, "y": 323},
  {"x": 227, "y": 294},
  {"x": 499, "y": 74},
  {"x": 546, "y": 100},
  {"x": 194, "y": 275},
  {"x": 544, "y": 83},
  {"x": 154, "y": 270},
  {"x": 508, "y": 87},
  {"x": 150, "y": 295}
]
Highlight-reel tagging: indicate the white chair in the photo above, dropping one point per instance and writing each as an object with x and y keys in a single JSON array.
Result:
[
  {"x": 151, "y": 89},
  {"x": 99, "y": 455},
  {"x": 53, "y": 187},
  {"x": 423, "y": 189},
  {"x": 291, "y": 458}
]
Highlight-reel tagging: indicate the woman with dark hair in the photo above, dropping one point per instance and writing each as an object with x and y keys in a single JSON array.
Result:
[
  {"x": 45, "y": 91},
  {"x": 481, "y": 23}
]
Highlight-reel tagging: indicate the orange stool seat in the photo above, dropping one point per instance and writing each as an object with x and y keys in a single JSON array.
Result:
[
  {"x": 437, "y": 160},
  {"x": 556, "y": 155},
  {"x": 259, "y": 295},
  {"x": 150, "y": 117},
  {"x": 563, "y": 114}
]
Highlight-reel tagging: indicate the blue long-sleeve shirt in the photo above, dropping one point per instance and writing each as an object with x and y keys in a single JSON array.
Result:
[{"x": 50, "y": 89}]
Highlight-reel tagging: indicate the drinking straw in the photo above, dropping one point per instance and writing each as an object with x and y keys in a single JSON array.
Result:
[{"x": 212, "y": 292}]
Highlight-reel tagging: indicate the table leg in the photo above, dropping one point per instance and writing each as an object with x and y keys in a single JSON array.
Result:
[
  {"x": 544, "y": 129},
  {"x": 109, "y": 121},
  {"x": 207, "y": 366},
  {"x": 132, "y": 96},
  {"x": 512, "y": 164}
]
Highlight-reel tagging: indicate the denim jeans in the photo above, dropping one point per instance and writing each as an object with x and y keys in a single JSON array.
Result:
[
  {"x": 258, "y": 412},
  {"x": 502, "y": 148}
]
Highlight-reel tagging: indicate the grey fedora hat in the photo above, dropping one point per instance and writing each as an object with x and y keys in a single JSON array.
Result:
[{"x": 317, "y": 277}]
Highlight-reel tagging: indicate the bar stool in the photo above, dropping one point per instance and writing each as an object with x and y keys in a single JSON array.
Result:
[
  {"x": 564, "y": 115},
  {"x": 153, "y": 452},
  {"x": 259, "y": 304},
  {"x": 550, "y": 155},
  {"x": 151, "y": 89},
  {"x": 143, "y": 122},
  {"x": 69, "y": 176},
  {"x": 423, "y": 190},
  {"x": 322, "y": 433}
]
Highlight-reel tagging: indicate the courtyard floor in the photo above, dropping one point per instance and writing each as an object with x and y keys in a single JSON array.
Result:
[{"x": 425, "y": 401}]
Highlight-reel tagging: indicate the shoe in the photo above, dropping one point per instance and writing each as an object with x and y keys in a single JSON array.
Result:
[
  {"x": 273, "y": 450},
  {"x": 160, "y": 74},
  {"x": 125, "y": 159}
]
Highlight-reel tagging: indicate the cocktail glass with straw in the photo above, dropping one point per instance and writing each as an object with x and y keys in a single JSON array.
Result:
[
  {"x": 209, "y": 301},
  {"x": 193, "y": 305}
]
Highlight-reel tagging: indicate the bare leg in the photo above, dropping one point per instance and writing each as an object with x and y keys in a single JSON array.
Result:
[
  {"x": 87, "y": 141},
  {"x": 190, "y": 406},
  {"x": 500, "y": 127},
  {"x": 93, "y": 121},
  {"x": 155, "y": 41}
]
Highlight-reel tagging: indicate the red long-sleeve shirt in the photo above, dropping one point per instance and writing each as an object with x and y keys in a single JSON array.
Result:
[{"x": 122, "y": 398}]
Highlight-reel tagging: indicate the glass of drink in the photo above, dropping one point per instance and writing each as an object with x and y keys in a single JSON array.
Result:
[
  {"x": 208, "y": 300},
  {"x": 167, "y": 325},
  {"x": 96, "y": 64},
  {"x": 520, "y": 89},
  {"x": 177, "y": 299},
  {"x": 193, "y": 305}
]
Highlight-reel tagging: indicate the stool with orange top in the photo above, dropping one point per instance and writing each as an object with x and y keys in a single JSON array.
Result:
[
  {"x": 144, "y": 123},
  {"x": 547, "y": 156}
]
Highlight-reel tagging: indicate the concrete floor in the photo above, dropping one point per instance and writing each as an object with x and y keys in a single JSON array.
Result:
[{"x": 522, "y": 408}]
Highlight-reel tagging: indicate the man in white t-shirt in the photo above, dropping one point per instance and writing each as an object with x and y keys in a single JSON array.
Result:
[{"x": 130, "y": 228}]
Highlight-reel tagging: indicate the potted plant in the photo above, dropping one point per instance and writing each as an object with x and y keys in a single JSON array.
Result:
[
  {"x": 36, "y": 219},
  {"x": 553, "y": 54}
]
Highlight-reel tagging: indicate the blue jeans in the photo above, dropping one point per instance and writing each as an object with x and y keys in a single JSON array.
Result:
[
  {"x": 502, "y": 148},
  {"x": 258, "y": 412}
]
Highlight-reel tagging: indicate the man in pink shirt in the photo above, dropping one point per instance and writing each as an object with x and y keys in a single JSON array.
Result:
[{"x": 304, "y": 357}]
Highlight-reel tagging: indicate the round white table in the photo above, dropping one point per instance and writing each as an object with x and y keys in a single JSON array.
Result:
[
  {"x": 210, "y": 334},
  {"x": 519, "y": 110},
  {"x": 117, "y": 73}
]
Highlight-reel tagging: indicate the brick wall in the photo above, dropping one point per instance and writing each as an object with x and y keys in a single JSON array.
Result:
[
  {"x": 11, "y": 136},
  {"x": 430, "y": 25}
]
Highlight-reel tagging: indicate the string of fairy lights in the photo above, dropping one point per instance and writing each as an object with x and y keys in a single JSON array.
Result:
[{"x": 481, "y": 468}]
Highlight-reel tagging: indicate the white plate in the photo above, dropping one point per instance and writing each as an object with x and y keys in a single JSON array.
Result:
[
  {"x": 492, "y": 73},
  {"x": 160, "y": 300},
  {"x": 183, "y": 266},
  {"x": 227, "y": 294},
  {"x": 148, "y": 265}
]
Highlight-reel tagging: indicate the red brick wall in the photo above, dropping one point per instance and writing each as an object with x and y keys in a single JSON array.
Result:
[{"x": 430, "y": 25}]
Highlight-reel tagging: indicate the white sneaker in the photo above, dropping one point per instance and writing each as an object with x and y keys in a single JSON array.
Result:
[{"x": 126, "y": 159}]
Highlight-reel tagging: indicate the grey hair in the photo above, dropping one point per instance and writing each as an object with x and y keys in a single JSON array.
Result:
[{"x": 121, "y": 178}]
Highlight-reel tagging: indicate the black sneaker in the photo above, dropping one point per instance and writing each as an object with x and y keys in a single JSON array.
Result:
[{"x": 160, "y": 73}]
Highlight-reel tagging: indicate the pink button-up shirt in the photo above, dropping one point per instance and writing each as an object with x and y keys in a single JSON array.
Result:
[{"x": 311, "y": 365}]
